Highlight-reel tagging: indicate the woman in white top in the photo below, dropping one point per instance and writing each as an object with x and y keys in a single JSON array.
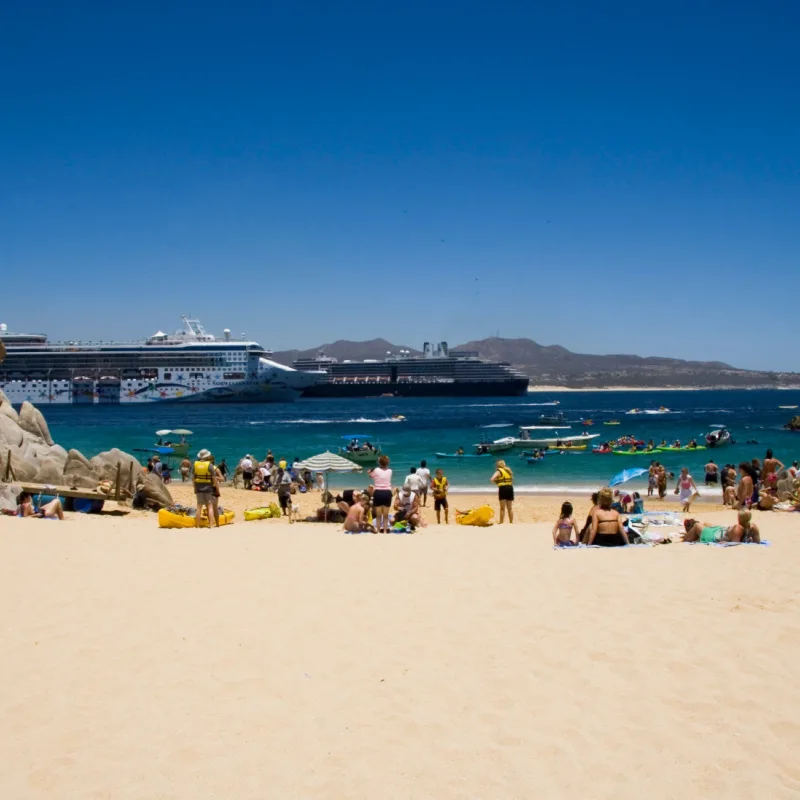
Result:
[{"x": 382, "y": 498}]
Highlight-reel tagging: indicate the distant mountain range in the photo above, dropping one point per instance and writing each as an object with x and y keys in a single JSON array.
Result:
[{"x": 552, "y": 365}]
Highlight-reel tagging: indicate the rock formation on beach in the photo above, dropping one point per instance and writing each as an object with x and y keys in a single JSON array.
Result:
[
  {"x": 28, "y": 454},
  {"x": 793, "y": 424}
]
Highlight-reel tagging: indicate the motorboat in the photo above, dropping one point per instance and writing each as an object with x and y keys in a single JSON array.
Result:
[
  {"x": 360, "y": 449},
  {"x": 497, "y": 446},
  {"x": 553, "y": 419},
  {"x": 527, "y": 441},
  {"x": 718, "y": 438},
  {"x": 165, "y": 446}
]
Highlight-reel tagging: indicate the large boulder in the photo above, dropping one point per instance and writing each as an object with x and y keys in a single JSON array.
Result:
[
  {"x": 154, "y": 489},
  {"x": 4, "y": 398},
  {"x": 11, "y": 435},
  {"x": 105, "y": 464},
  {"x": 78, "y": 472},
  {"x": 57, "y": 453},
  {"x": 8, "y": 410},
  {"x": 9, "y": 492},
  {"x": 50, "y": 471},
  {"x": 793, "y": 424},
  {"x": 21, "y": 470},
  {"x": 32, "y": 420},
  {"x": 34, "y": 451}
]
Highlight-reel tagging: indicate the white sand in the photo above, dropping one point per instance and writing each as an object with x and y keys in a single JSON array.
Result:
[{"x": 269, "y": 660}]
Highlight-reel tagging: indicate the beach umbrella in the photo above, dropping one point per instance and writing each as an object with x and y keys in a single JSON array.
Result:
[
  {"x": 328, "y": 462},
  {"x": 182, "y": 431},
  {"x": 627, "y": 475}
]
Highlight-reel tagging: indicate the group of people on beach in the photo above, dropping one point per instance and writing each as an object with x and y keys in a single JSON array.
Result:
[
  {"x": 766, "y": 485},
  {"x": 380, "y": 507},
  {"x": 605, "y": 527}
]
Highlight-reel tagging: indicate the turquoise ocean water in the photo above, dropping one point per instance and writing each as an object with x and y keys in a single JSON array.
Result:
[{"x": 308, "y": 427}]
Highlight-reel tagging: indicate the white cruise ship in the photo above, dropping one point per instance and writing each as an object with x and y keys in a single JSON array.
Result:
[{"x": 188, "y": 366}]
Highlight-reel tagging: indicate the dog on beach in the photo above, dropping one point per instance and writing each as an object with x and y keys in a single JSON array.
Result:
[{"x": 294, "y": 513}]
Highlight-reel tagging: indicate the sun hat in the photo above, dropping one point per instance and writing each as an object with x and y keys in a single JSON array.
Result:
[{"x": 204, "y": 454}]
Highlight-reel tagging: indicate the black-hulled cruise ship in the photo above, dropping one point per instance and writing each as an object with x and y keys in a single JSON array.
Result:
[
  {"x": 438, "y": 372},
  {"x": 188, "y": 366}
]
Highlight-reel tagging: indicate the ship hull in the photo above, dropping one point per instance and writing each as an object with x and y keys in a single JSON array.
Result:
[
  {"x": 421, "y": 389},
  {"x": 90, "y": 393}
]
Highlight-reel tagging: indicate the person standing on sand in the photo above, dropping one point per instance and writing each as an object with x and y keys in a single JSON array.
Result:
[
  {"x": 186, "y": 468},
  {"x": 205, "y": 483},
  {"x": 662, "y": 482},
  {"x": 652, "y": 478},
  {"x": 425, "y": 481},
  {"x": 247, "y": 470},
  {"x": 769, "y": 472},
  {"x": 747, "y": 492},
  {"x": 223, "y": 470},
  {"x": 686, "y": 488},
  {"x": 382, "y": 497},
  {"x": 711, "y": 473},
  {"x": 440, "y": 487},
  {"x": 503, "y": 478}
]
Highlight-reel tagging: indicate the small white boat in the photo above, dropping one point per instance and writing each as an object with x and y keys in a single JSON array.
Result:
[
  {"x": 527, "y": 441},
  {"x": 718, "y": 438},
  {"x": 497, "y": 446},
  {"x": 545, "y": 427}
]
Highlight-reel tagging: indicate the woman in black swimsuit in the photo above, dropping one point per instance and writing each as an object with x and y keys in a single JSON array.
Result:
[{"x": 607, "y": 530}]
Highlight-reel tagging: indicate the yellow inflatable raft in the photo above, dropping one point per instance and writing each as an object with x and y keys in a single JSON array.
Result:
[
  {"x": 481, "y": 517},
  {"x": 265, "y": 512},
  {"x": 174, "y": 519}
]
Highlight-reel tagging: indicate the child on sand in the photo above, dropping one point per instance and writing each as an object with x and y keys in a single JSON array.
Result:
[
  {"x": 440, "y": 487},
  {"x": 565, "y": 525}
]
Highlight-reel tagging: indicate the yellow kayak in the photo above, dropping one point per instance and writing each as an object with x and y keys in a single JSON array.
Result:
[
  {"x": 568, "y": 447},
  {"x": 173, "y": 519}
]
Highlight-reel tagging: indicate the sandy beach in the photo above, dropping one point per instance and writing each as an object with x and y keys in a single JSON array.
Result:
[{"x": 268, "y": 659}]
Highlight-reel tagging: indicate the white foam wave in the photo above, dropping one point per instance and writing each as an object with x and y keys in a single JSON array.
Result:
[
  {"x": 498, "y": 425},
  {"x": 327, "y": 421}
]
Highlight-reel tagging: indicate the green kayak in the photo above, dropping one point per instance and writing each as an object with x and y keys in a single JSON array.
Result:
[
  {"x": 681, "y": 449},
  {"x": 636, "y": 452}
]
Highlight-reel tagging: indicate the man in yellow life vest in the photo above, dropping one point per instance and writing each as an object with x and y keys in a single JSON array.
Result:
[
  {"x": 204, "y": 478},
  {"x": 503, "y": 478},
  {"x": 440, "y": 486}
]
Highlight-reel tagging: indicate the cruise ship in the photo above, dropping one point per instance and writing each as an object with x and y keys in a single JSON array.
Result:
[
  {"x": 188, "y": 366},
  {"x": 438, "y": 372}
]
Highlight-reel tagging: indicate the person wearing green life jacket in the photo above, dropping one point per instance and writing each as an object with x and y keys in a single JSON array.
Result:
[{"x": 503, "y": 478}]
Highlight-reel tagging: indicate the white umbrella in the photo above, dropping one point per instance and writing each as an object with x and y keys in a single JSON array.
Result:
[{"x": 328, "y": 462}]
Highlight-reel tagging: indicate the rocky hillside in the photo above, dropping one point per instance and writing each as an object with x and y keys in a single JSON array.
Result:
[
  {"x": 556, "y": 366},
  {"x": 344, "y": 349}
]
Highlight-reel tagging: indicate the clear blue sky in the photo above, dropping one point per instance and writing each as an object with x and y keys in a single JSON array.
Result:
[{"x": 612, "y": 177}]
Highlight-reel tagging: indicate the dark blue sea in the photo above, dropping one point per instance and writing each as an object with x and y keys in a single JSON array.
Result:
[{"x": 308, "y": 427}]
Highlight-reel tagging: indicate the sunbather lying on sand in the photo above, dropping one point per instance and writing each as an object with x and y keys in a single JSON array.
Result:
[
  {"x": 742, "y": 531},
  {"x": 26, "y": 508}
]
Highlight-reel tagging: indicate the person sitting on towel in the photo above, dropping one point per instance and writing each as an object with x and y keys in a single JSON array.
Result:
[{"x": 356, "y": 520}]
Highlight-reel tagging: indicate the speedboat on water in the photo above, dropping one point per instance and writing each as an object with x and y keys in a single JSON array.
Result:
[{"x": 718, "y": 438}]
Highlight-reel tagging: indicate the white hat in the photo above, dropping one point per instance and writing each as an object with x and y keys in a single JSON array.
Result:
[{"x": 204, "y": 455}]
